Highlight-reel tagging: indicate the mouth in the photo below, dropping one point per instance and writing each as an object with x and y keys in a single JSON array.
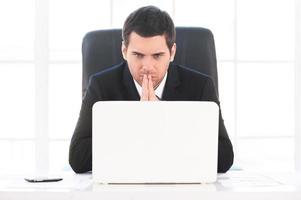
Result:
[{"x": 142, "y": 74}]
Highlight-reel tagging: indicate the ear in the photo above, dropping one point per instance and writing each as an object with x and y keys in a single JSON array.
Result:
[
  {"x": 123, "y": 50},
  {"x": 173, "y": 52}
]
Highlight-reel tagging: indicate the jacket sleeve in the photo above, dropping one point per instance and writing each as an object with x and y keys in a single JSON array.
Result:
[
  {"x": 80, "y": 150},
  {"x": 225, "y": 149}
]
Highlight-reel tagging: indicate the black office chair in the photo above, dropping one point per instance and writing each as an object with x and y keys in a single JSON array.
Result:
[{"x": 195, "y": 49}]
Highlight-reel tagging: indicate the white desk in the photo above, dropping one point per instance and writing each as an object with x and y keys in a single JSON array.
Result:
[{"x": 232, "y": 185}]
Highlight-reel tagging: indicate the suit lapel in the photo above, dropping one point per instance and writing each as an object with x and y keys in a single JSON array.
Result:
[
  {"x": 129, "y": 85},
  {"x": 172, "y": 84}
]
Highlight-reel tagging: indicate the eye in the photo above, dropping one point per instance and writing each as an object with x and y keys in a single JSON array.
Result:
[
  {"x": 157, "y": 56},
  {"x": 137, "y": 55}
]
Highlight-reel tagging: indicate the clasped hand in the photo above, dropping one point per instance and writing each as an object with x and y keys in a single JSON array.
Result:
[{"x": 148, "y": 92}]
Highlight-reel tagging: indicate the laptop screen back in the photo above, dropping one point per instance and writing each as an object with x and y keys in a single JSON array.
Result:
[{"x": 155, "y": 142}]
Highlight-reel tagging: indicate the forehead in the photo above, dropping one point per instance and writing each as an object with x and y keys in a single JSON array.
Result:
[{"x": 147, "y": 44}]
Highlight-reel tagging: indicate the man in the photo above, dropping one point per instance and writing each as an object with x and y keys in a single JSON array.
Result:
[{"x": 148, "y": 75}]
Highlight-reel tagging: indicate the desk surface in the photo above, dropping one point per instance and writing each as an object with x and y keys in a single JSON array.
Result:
[{"x": 232, "y": 185}]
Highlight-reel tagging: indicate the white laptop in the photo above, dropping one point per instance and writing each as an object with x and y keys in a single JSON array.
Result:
[{"x": 154, "y": 142}]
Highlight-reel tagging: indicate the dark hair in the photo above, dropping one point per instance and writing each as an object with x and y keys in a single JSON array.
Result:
[{"x": 147, "y": 22}]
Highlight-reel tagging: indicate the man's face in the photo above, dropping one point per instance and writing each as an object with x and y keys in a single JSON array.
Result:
[{"x": 148, "y": 55}]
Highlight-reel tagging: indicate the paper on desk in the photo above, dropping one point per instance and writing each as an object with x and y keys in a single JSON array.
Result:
[{"x": 237, "y": 180}]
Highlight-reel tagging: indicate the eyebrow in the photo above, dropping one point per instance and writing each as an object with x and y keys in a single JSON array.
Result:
[{"x": 139, "y": 53}]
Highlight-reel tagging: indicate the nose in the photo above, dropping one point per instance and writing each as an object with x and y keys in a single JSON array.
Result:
[{"x": 147, "y": 65}]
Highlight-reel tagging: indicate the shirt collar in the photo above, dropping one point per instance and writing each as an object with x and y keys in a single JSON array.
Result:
[{"x": 158, "y": 90}]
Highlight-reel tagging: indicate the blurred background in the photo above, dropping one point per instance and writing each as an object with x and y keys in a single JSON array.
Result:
[{"x": 40, "y": 74}]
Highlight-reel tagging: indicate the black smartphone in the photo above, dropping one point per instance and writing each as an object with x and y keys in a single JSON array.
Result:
[{"x": 42, "y": 179}]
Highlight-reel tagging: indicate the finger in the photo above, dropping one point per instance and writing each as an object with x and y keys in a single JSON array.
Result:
[
  {"x": 151, "y": 91},
  {"x": 144, "y": 93}
]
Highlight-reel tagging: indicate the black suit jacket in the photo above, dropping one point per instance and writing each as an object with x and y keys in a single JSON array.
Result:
[{"x": 116, "y": 83}]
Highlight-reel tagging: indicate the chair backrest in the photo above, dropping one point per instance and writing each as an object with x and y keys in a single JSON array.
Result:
[{"x": 195, "y": 49}]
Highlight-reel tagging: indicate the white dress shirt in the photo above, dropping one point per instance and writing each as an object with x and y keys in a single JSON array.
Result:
[{"x": 158, "y": 90}]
